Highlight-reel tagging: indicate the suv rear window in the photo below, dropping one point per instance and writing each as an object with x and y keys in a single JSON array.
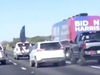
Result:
[{"x": 50, "y": 46}]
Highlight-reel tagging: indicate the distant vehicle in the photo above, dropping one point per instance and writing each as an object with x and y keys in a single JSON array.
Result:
[
  {"x": 47, "y": 52},
  {"x": 21, "y": 50},
  {"x": 3, "y": 55},
  {"x": 80, "y": 37}
]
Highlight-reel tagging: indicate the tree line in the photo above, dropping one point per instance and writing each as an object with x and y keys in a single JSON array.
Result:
[{"x": 35, "y": 39}]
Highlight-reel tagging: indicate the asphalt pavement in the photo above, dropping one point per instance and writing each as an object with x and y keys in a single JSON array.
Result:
[{"x": 21, "y": 67}]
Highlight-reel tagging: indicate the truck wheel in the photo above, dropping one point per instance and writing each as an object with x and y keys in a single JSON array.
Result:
[
  {"x": 73, "y": 60},
  {"x": 98, "y": 61},
  {"x": 3, "y": 62},
  {"x": 81, "y": 61},
  {"x": 67, "y": 55}
]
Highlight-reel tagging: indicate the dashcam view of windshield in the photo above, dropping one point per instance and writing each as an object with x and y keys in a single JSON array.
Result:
[{"x": 49, "y": 37}]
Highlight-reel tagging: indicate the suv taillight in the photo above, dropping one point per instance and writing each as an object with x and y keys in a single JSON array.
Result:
[
  {"x": 84, "y": 46},
  {"x": 40, "y": 50},
  {"x": 61, "y": 48}
]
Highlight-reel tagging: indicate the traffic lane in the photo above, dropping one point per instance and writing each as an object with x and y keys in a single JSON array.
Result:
[
  {"x": 62, "y": 70},
  {"x": 11, "y": 69},
  {"x": 9, "y": 52},
  {"x": 34, "y": 70},
  {"x": 69, "y": 70}
]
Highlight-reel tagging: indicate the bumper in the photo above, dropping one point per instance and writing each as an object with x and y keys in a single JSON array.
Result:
[
  {"x": 2, "y": 59},
  {"x": 23, "y": 55},
  {"x": 91, "y": 55},
  {"x": 51, "y": 60},
  {"x": 87, "y": 57}
]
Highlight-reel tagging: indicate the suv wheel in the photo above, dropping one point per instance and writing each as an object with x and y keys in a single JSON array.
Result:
[
  {"x": 31, "y": 63},
  {"x": 17, "y": 57},
  {"x": 3, "y": 62},
  {"x": 37, "y": 65}
]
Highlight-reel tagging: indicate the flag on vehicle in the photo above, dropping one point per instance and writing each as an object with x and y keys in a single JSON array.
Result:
[{"x": 22, "y": 34}]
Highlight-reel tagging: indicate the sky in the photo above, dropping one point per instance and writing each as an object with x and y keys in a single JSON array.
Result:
[{"x": 39, "y": 15}]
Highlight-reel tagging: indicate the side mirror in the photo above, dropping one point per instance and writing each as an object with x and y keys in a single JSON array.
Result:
[{"x": 13, "y": 46}]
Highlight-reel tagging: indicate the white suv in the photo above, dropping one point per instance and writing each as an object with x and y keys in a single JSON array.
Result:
[
  {"x": 47, "y": 52},
  {"x": 3, "y": 55}
]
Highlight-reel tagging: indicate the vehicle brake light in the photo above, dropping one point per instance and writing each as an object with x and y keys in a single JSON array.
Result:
[
  {"x": 61, "y": 48},
  {"x": 84, "y": 46}
]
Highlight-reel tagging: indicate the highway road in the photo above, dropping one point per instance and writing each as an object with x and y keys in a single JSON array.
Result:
[{"x": 21, "y": 67}]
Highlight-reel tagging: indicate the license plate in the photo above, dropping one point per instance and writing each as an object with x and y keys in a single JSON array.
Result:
[{"x": 98, "y": 51}]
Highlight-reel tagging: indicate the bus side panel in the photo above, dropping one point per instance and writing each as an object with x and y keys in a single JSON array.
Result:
[
  {"x": 52, "y": 35},
  {"x": 72, "y": 30},
  {"x": 65, "y": 31},
  {"x": 55, "y": 33}
]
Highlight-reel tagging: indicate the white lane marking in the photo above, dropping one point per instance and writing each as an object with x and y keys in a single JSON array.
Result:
[
  {"x": 95, "y": 67},
  {"x": 32, "y": 72},
  {"x": 14, "y": 63},
  {"x": 68, "y": 62},
  {"x": 10, "y": 60},
  {"x": 23, "y": 68}
]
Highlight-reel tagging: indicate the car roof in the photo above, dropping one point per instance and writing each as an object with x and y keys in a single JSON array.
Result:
[
  {"x": 21, "y": 42},
  {"x": 47, "y": 42}
]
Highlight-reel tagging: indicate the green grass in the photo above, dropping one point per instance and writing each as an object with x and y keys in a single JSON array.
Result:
[{"x": 9, "y": 49}]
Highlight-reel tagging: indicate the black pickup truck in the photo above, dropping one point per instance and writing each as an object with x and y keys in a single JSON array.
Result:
[{"x": 85, "y": 47}]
